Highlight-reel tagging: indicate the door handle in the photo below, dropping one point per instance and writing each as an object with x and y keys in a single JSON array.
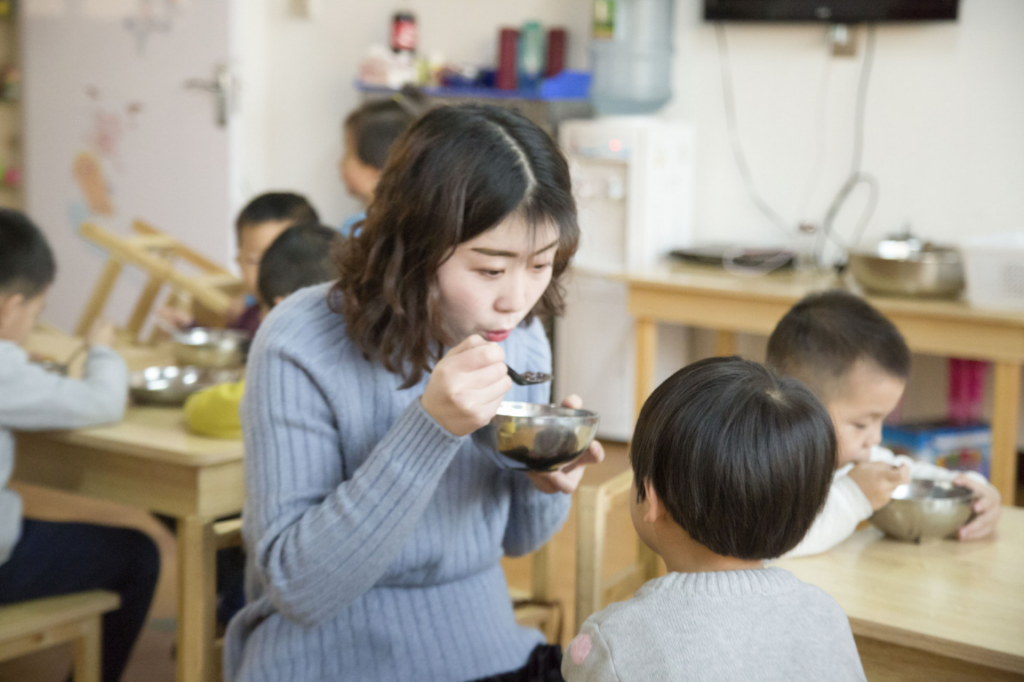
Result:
[{"x": 220, "y": 87}]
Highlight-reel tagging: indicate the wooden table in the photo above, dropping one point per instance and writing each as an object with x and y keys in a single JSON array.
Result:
[
  {"x": 935, "y": 611},
  {"x": 714, "y": 299},
  {"x": 149, "y": 461}
]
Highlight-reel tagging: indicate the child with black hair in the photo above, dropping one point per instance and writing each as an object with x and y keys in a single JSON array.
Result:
[
  {"x": 369, "y": 132},
  {"x": 40, "y": 558},
  {"x": 731, "y": 464},
  {"x": 258, "y": 224},
  {"x": 300, "y": 257},
  {"x": 857, "y": 363}
]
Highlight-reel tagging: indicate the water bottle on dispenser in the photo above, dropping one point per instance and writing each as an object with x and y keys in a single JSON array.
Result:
[{"x": 631, "y": 56}]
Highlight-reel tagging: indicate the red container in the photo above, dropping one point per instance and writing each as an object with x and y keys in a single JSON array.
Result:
[
  {"x": 506, "y": 78},
  {"x": 556, "y": 52},
  {"x": 403, "y": 33}
]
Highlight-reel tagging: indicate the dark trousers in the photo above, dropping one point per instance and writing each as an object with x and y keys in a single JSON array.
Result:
[
  {"x": 544, "y": 665},
  {"x": 52, "y": 559}
]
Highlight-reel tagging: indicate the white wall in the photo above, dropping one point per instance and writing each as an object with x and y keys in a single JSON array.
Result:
[
  {"x": 944, "y": 122},
  {"x": 299, "y": 88}
]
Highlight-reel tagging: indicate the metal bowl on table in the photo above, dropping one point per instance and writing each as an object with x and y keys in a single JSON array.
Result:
[
  {"x": 202, "y": 347},
  {"x": 908, "y": 267},
  {"x": 924, "y": 509},
  {"x": 542, "y": 437},
  {"x": 171, "y": 385}
]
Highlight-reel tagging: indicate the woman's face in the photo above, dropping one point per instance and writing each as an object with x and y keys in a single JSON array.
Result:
[{"x": 491, "y": 282}]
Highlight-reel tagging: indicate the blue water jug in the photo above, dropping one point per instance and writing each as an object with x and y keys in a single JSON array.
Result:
[{"x": 631, "y": 56}]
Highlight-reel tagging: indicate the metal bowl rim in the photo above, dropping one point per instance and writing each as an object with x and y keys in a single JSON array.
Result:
[
  {"x": 558, "y": 413},
  {"x": 214, "y": 337}
]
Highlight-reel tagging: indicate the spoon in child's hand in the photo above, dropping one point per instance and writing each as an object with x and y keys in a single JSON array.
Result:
[{"x": 527, "y": 378}]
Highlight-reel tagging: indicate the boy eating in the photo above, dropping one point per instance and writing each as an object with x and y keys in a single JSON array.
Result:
[
  {"x": 731, "y": 465},
  {"x": 41, "y": 558},
  {"x": 857, "y": 363}
]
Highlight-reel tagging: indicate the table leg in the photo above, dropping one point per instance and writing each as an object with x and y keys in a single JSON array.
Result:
[
  {"x": 725, "y": 343},
  {"x": 646, "y": 355},
  {"x": 1005, "y": 406},
  {"x": 196, "y": 599}
]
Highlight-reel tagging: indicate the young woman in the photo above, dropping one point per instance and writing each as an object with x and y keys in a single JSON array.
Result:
[{"x": 376, "y": 515}]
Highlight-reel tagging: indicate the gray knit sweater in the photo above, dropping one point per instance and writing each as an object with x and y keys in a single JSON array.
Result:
[
  {"x": 374, "y": 535},
  {"x": 32, "y": 399},
  {"x": 729, "y": 626}
]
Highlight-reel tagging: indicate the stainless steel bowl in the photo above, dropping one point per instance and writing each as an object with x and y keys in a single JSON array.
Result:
[
  {"x": 172, "y": 385},
  {"x": 542, "y": 437},
  {"x": 923, "y": 509},
  {"x": 926, "y": 270},
  {"x": 201, "y": 347}
]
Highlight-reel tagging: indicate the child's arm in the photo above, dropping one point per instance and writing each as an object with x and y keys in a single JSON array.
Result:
[
  {"x": 320, "y": 535},
  {"x": 33, "y": 399},
  {"x": 846, "y": 506},
  {"x": 588, "y": 658}
]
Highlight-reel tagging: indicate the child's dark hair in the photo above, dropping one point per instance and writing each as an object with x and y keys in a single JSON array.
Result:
[
  {"x": 741, "y": 458},
  {"x": 375, "y": 126},
  {"x": 300, "y": 257},
  {"x": 27, "y": 266},
  {"x": 820, "y": 339},
  {"x": 456, "y": 173},
  {"x": 276, "y": 206}
]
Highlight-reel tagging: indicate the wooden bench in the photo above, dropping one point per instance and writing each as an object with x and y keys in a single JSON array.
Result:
[{"x": 31, "y": 626}]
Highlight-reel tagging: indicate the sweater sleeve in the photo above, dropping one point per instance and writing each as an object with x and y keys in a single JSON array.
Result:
[
  {"x": 846, "y": 506},
  {"x": 320, "y": 541},
  {"x": 533, "y": 516},
  {"x": 33, "y": 399},
  {"x": 588, "y": 658}
]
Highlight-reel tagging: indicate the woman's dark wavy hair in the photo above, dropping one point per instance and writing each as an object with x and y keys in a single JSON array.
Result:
[{"x": 456, "y": 173}]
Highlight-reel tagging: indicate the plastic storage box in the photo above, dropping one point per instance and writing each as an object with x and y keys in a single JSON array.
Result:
[
  {"x": 966, "y": 447},
  {"x": 994, "y": 269}
]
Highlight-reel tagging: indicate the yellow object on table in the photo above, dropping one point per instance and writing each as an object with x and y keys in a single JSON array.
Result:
[{"x": 214, "y": 411}]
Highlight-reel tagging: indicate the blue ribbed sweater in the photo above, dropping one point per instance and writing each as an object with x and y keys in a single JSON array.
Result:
[{"x": 374, "y": 535}]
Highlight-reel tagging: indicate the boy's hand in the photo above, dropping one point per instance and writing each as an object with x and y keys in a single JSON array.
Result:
[
  {"x": 174, "y": 317},
  {"x": 566, "y": 479},
  {"x": 986, "y": 507},
  {"x": 878, "y": 479},
  {"x": 467, "y": 385},
  {"x": 101, "y": 333}
]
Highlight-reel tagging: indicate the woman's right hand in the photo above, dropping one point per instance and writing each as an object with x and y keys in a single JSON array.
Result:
[{"x": 467, "y": 385}]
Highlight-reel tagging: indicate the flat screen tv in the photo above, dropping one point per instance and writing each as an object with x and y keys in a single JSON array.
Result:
[{"x": 831, "y": 11}]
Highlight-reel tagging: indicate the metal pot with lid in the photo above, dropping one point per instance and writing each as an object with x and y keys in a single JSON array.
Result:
[{"x": 906, "y": 266}]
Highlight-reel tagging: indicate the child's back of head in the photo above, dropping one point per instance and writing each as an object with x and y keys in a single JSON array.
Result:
[
  {"x": 369, "y": 132},
  {"x": 27, "y": 266},
  {"x": 823, "y": 336},
  {"x": 740, "y": 457},
  {"x": 300, "y": 257},
  {"x": 731, "y": 465}
]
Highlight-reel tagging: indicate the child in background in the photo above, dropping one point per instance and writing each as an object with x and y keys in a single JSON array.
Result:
[
  {"x": 258, "y": 224},
  {"x": 369, "y": 132},
  {"x": 857, "y": 363},
  {"x": 376, "y": 510},
  {"x": 300, "y": 257},
  {"x": 40, "y": 558},
  {"x": 731, "y": 464}
]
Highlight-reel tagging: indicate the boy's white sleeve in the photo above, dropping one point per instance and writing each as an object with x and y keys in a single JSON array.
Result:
[
  {"x": 923, "y": 469},
  {"x": 846, "y": 506},
  {"x": 588, "y": 658}
]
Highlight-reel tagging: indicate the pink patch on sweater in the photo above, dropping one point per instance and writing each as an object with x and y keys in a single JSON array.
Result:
[{"x": 580, "y": 649}]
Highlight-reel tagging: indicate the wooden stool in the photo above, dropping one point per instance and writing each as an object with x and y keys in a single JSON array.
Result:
[
  {"x": 210, "y": 289},
  {"x": 536, "y": 608},
  {"x": 593, "y": 591},
  {"x": 31, "y": 626}
]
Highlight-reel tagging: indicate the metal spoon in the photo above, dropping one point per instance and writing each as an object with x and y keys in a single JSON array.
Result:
[{"x": 527, "y": 378}]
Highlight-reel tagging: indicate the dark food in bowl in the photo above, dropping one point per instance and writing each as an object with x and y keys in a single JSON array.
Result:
[{"x": 542, "y": 437}]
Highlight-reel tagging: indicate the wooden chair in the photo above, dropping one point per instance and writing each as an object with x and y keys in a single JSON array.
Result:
[
  {"x": 593, "y": 591},
  {"x": 210, "y": 288},
  {"x": 536, "y": 607},
  {"x": 31, "y": 626},
  {"x": 226, "y": 533}
]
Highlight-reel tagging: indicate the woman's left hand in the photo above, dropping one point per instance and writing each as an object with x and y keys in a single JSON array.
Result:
[{"x": 568, "y": 477}]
